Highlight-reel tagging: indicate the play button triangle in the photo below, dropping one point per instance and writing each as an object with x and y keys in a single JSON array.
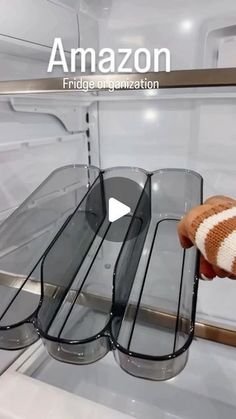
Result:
[{"x": 117, "y": 210}]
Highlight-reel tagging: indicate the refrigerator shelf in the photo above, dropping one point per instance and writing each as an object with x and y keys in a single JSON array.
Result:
[{"x": 135, "y": 295}]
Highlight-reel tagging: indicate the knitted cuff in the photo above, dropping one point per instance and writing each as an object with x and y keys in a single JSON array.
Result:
[{"x": 214, "y": 233}]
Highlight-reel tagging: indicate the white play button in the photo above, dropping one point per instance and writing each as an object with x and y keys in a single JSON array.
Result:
[{"x": 117, "y": 210}]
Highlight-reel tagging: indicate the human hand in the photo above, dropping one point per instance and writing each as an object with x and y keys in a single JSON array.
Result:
[{"x": 207, "y": 269}]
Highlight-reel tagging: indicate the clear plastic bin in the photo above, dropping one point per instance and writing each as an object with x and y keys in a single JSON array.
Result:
[
  {"x": 135, "y": 295},
  {"x": 152, "y": 333},
  {"x": 25, "y": 236},
  {"x": 75, "y": 324}
]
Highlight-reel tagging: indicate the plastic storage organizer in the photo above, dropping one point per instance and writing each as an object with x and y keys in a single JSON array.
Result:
[{"x": 65, "y": 279}]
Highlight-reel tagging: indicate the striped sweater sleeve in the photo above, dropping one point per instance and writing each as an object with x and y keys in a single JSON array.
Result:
[{"x": 214, "y": 233}]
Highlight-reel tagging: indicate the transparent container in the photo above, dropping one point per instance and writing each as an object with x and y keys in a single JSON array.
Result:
[
  {"x": 25, "y": 236},
  {"x": 153, "y": 325},
  {"x": 125, "y": 286},
  {"x": 75, "y": 324}
]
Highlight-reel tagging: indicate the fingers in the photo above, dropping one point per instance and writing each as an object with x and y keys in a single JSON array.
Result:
[
  {"x": 183, "y": 235},
  {"x": 220, "y": 272},
  {"x": 206, "y": 269},
  {"x": 219, "y": 199},
  {"x": 184, "y": 226},
  {"x": 186, "y": 235}
]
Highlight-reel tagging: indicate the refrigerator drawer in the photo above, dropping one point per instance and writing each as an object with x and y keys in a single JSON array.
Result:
[{"x": 205, "y": 388}]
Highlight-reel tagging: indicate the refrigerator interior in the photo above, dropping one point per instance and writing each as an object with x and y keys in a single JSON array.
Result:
[
  {"x": 180, "y": 129},
  {"x": 170, "y": 128}
]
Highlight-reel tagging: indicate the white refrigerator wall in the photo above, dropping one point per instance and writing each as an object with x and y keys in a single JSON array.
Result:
[
  {"x": 185, "y": 133},
  {"x": 34, "y": 143},
  {"x": 195, "y": 132},
  {"x": 27, "y": 32},
  {"x": 193, "y": 30}
]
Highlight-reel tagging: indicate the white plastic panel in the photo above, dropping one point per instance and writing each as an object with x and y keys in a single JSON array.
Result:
[
  {"x": 24, "y": 167},
  {"x": 191, "y": 29},
  {"x": 88, "y": 29},
  {"x": 205, "y": 389},
  {"x": 25, "y": 60},
  {"x": 71, "y": 4},
  {"x": 38, "y": 22},
  {"x": 27, "y": 32},
  {"x": 226, "y": 54},
  {"x": 32, "y": 145},
  {"x": 146, "y": 134},
  {"x": 7, "y": 358},
  {"x": 44, "y": 401}
]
